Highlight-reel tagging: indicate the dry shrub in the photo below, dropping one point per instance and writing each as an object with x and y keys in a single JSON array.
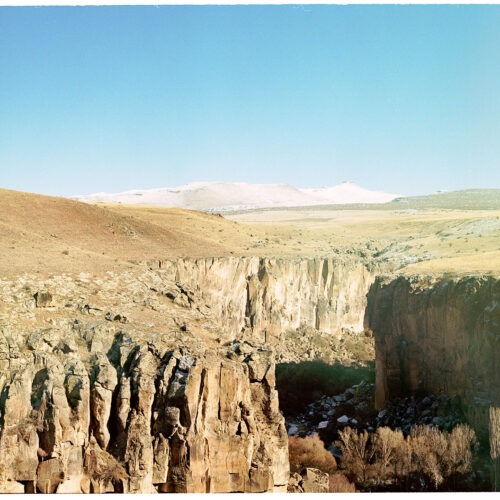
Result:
[
  {"x": 338, "y": 483},
  {"x": 101, "y": 466},
  {"x": 310, "y": 451},
  {"x": 428, "y": 445},
  {"x": 357, "y": 453},
  {"x": 441, "y": 454},
  {"x": 463, "y": 441},
  {"x": 426, "y": 453},
  {"x": 385, "y": 443},
  {"x": 403, "y": 460}
]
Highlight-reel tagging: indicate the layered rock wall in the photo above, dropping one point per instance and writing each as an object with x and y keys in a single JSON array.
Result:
[{"x": 260, "y": 298}]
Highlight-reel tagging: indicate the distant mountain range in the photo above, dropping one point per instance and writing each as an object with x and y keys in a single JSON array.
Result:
[{"x": 225, "y": 196}]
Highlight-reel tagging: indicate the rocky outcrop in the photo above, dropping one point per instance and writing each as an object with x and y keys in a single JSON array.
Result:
[
  {"x": 181, "y": 421},
  {"x": 155, "y": 380},
  {"x": 261, "y": 298},
  {"x": 440, "y": 336},
  {"x": 309, "y": 481},
  {"x": 91, "y": 405}
]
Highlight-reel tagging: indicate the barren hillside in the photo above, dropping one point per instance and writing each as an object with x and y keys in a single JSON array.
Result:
[
  {"x": 46, "y": 234},
  {"x": 43, "y": 233}
]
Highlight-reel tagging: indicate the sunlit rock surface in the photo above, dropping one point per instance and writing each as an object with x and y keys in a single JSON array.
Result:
[
  {"x": 122, "y": 384},
  {"x": 263, "y": 297}
]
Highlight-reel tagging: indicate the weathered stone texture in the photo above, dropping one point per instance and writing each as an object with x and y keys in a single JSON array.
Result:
[
  {"x": 189, "y": 421},
  {"x": 260, "y": 298},
  {"x": 91, "y": 405},
  {"x": 309, "y": 481}
]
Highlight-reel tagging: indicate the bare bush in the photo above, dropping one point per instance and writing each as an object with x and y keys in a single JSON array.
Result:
[
  {"x": 426, "y": 453},
  {"x": 462, "y": 443},
  {"x": 357, "y": 453},
  {"x": 403, "y": 460},
  {"x": 385, "y": 443},
  {"x": 310, "y": 451},
  {"x": 442, "y": 454},
  {"x": 429, "y": 446},
  {"x": 338, "y": 483}
]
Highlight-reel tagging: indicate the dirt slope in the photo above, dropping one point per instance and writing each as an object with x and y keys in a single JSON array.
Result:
[{"x": 44, "y": 233}]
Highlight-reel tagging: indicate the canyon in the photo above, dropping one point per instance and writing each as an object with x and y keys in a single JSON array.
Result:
[
  {"x": 159, "y": 374},
  {"x": 270, "y": 257}
]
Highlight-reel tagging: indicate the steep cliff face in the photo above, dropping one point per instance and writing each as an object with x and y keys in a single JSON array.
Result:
[
  {"x": 163, "y": 380},
  {"x": 261, "y": 298},
  {"x": 90, "y": 404},
  {"x": 439, "y": 335},
  {"x": 155, "y": 380}
]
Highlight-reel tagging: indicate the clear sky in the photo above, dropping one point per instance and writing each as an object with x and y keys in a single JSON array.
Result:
[{"x": 404, "y": 99}]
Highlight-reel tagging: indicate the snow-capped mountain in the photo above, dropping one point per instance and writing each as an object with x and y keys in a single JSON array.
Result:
[{"x": 220, "y": 196}]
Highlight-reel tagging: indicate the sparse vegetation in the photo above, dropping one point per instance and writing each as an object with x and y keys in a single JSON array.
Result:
[
  {"x": 338, "y": 483},
  {"x": 386, "y": 457},
  {"x": 357, "y": 453},
  {"x": 310, "y": 451},
  {"x": 304, "y": 231},
  {"x": 103, "y": 467},
  {"x": 361, "y": 349}
]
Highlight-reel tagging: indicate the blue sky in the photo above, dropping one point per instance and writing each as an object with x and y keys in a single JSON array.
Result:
[{"x": 404, "y": 99}]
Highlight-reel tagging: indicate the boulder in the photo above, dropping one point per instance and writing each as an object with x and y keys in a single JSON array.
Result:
[
  {"x": 314, "y": 481},
  {"x": 43, "y": 298}
]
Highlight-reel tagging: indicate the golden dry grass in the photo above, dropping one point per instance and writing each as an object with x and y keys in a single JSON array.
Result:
[{"x": 458, "y": 241}]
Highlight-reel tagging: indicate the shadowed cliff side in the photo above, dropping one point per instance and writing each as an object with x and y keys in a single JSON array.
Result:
[{"x": 440, "y": 336}]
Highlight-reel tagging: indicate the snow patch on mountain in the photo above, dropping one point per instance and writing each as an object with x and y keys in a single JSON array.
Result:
[{"x": 224, "y": 196}]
